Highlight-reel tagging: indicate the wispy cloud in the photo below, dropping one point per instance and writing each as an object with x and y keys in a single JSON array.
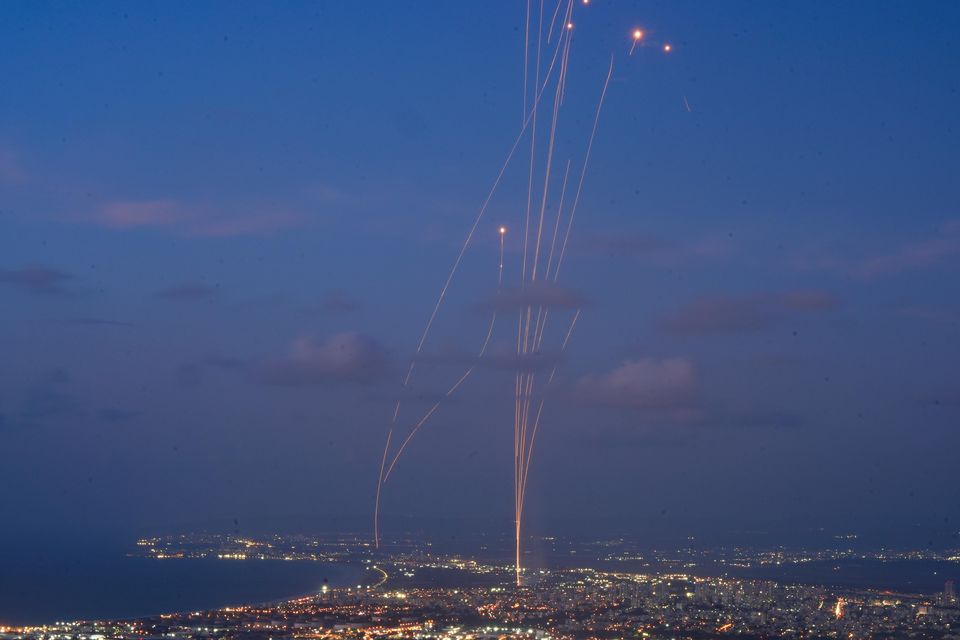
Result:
[
  {"x": 537, "y": 294},
  {"x": 11, "y": 172},
  {"x": 46, "y": 401},
  {"x": 36, "y": 279},
  {"x": 188, "y": 291},
  {"x": 104, "y": 322},
  {"x": 658, "y": 251},
  {"x": 339, "y": 302},
  {"x": 745, "y": 313},
  {"x": 192, "y": 219},
  {"x": 916, "y": 255},
  {"x": 922, "y": 254},
  {"x": 117, "y": 415}
]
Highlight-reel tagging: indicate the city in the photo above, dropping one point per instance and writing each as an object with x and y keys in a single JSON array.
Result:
[{"x": 407, "y": 592}]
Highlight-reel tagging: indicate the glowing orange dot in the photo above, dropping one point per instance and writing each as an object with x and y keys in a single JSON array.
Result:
[
  {"x": 667, "y": 48},
  {"x": 637, "y": 34},
  {"x": 503, "y": 230},
  {"x": 569, "y": 25}
]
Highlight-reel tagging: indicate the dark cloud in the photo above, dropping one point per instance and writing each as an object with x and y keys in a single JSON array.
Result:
[
  {"x": 11, "y": 171},
  {"x": 46, "y": 400},
  {"x": 57, "y": 376},
  {"x": 734, "y": 418},
  {"x": 225, "y": 362},
  {"x": 537, "y": 294},
  {"x": 738, "y": 314},
  {"x": 36, "y": 279},
  {"x": 105, "y": 322},
  {"x": 657, "y": 251},
  {"x": 664, "y": 428},
  {"x": 115, "y": 415},
  {"x": 344, "y": 357},
  {"x": 189, "y": 374},
  {"x": 339, "y": 302},
  {"x": 189, "y": 291}
]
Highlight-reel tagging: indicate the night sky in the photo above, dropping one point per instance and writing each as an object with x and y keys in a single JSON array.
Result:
[{"x": 224, "y": 225}]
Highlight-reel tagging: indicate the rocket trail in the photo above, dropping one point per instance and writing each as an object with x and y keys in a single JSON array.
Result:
[
  {"x": 463, "y": 378},
  {"x": 538, "y": 95},
  {"x": 541, "y": 258},
  {"x": 583, "y": 170},
  {"x": 525, "y": 436}
]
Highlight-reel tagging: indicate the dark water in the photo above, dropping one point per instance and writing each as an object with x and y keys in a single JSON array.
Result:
[{"x": 40, "y": 585}]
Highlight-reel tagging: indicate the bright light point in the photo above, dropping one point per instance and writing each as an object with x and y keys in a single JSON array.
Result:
[
  {"x": 586, "y": 1},
  {"x": 667, "y": 48},
  {"x": 503, "y": 230},
  {"x": 637, "y": 34},
  {"x": 569, "y": 25}
]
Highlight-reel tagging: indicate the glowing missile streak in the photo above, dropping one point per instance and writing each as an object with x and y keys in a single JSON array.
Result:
[
  {"x": 526, "y": 63},
  {"x": 553, "y": 20},
  {"x": 463, "y": 378},
  {"x": 483, "y": 209},
  {"x": 376, "y": 507},
  {"x": 536, "y": 423},
  {"x": 583, "y": 171},
  {"x": 637, "y": 37},
  {"x": 524, "y": 449}
]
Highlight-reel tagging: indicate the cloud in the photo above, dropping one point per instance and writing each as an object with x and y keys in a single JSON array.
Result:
[
  {"x": 339, "y": 302},
  {"x": 192, "y": 374},
  {"x": 106, "y": 322},
  {"x": 46, "y": 400},
  {"x": 11, "y": 173},
  {"x": 537, "y": 294},
  {"x": 657, "y": 251},
  {"x": 913, "y": 256},
  {"x": 36, "y": 279},
  {"x": 502, "y": 358},
  {"x": 917, "y": 255},
  {"x": 740, "y": 314},
  {"x": 144, "y": 213},
  {"x": 646, "y": 383},
  {"x": 344, "y": 357},
  {"x": 930, "y": 314},
  {"x": 116, "y": 415},
  {"x": 189, "y": 374},
  {"x": 191, "y": 219},
  {"x": 189, "y": 291},
  {"x": 225, "y": 362}
]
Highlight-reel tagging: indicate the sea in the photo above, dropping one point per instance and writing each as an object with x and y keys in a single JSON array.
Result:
[{"x": 43, "y": 584}]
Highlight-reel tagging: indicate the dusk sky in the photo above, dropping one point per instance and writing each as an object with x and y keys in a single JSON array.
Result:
[{"x": 224, "y": 225}]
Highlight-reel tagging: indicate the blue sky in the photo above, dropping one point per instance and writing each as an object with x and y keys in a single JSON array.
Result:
[{"x": 223, "y": 225}]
